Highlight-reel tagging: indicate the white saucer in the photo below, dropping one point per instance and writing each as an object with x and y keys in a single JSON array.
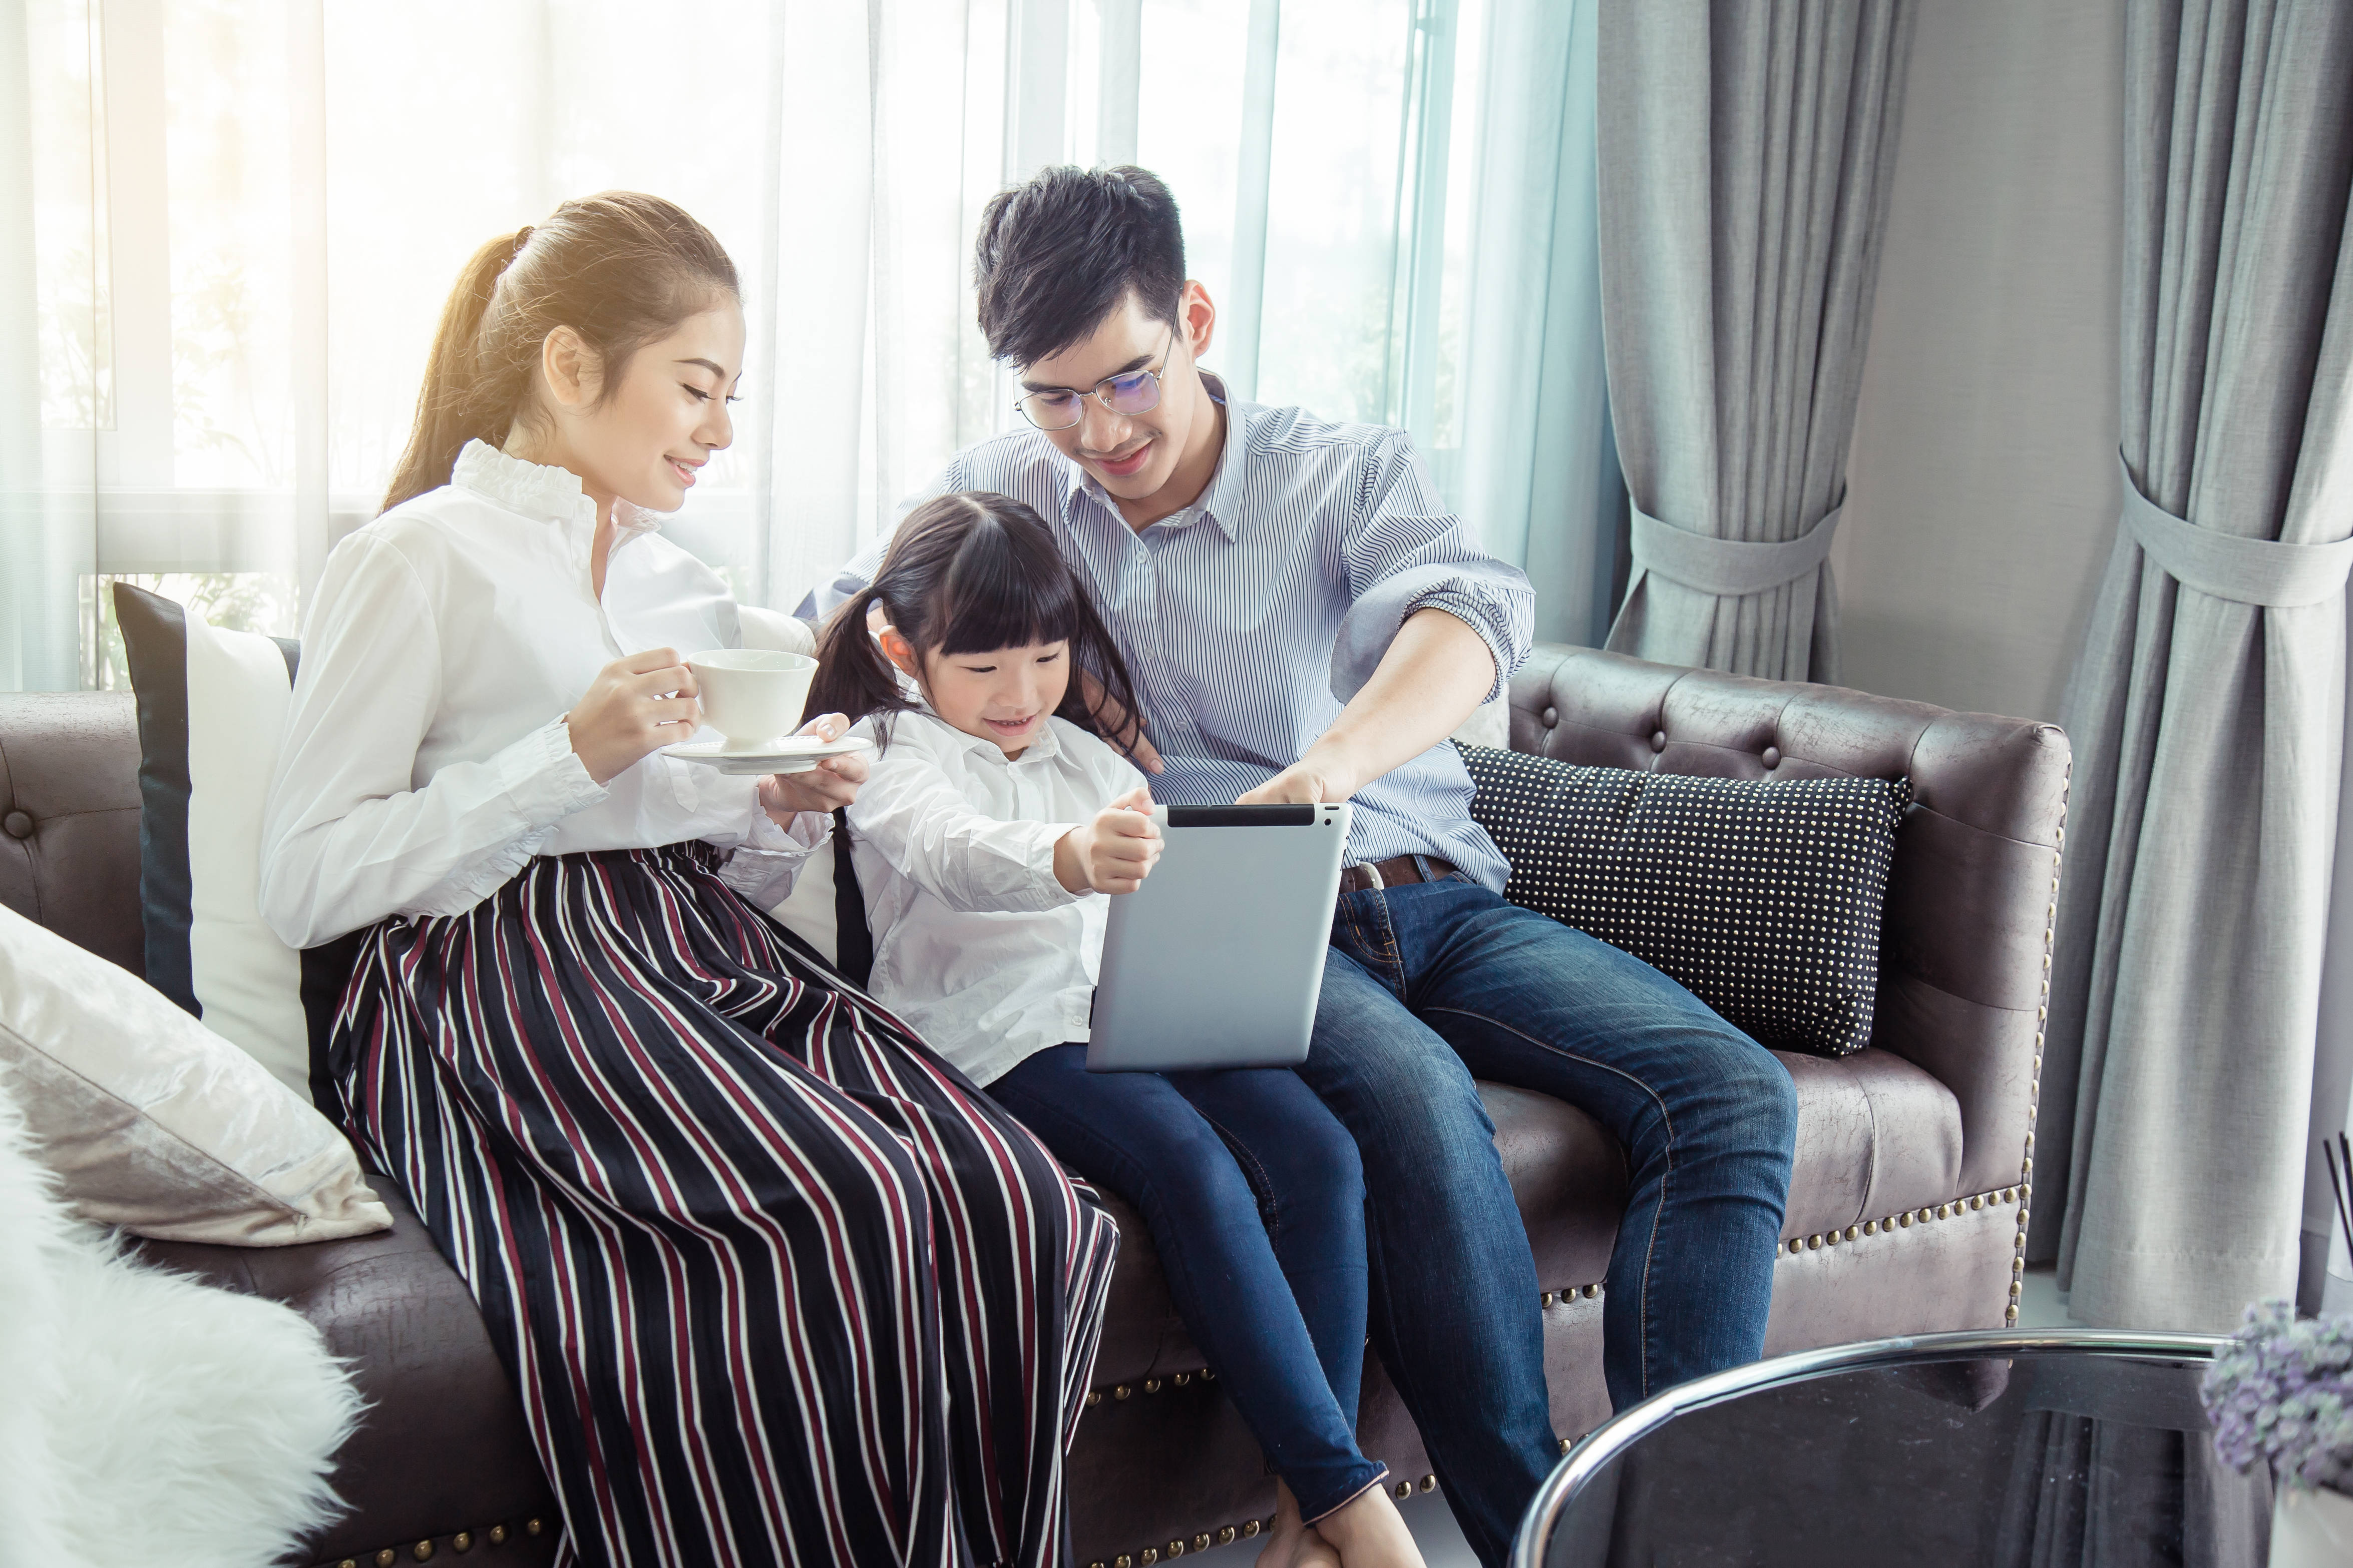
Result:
[{"x": 792, "y": 754}]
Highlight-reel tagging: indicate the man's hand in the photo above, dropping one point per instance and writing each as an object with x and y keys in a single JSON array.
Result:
[
  {"x": 1318, "y": 776},
  {"x": 1436, "y": 672},
  {"x": 1113, "y": 853},
  {"x": 832, "y": 782}
]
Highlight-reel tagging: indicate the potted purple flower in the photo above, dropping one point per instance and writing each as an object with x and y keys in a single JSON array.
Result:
[{"x": 2280, "y": 1393}]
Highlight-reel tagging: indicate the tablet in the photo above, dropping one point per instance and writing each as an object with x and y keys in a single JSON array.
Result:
[{"x": 1218, "y": 959}]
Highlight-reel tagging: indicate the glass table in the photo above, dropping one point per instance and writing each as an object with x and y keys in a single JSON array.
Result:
[{"x": 2034, "y": 1450}]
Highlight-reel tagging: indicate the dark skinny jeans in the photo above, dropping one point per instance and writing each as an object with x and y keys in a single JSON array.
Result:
[{"x": 1256, "y": 1203}]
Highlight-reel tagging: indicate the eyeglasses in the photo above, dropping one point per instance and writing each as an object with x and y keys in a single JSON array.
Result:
[{"x": 1134, "y": 391}]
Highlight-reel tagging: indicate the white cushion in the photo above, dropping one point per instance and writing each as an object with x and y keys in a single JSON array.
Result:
[
  {"x": 248, "y": 983},
  {"x": 155, "y": 1123}
]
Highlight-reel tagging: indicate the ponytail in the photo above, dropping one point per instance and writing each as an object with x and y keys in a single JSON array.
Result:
[
  {"x": 448, "y": 410},
  {"x": 854, "y": 677},
  {"x": 620, "y": 269}
]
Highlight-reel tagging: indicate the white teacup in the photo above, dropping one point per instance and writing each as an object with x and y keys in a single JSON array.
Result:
[{"x": 751, "y": 696}]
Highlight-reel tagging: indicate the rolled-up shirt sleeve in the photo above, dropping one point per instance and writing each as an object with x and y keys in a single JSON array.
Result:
[
  {"x": 1407, "y": 550},
  {"x": 913, "y": 815},
  {"x": 347, "y": 837}
]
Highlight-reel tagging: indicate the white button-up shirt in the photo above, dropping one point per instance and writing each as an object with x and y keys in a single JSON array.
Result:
[
  {"x": 426, "y": 758},
  {"x": 976, "y": 944}
]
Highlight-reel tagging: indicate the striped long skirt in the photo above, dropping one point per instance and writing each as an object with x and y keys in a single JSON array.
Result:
[{"x": 775, "y": 1283}]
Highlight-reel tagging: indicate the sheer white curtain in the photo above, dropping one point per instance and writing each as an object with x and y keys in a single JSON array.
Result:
[{"x": 227, "y": 228}]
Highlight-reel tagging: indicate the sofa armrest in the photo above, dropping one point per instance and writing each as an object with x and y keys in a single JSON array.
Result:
[{"x": 1965, "y": 938}]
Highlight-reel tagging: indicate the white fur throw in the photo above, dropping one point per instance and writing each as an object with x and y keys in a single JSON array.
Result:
[{"x": 145, "y": 1418}]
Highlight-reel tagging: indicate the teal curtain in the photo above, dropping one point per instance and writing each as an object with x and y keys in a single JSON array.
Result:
[{"x": 1538, "y": 473}]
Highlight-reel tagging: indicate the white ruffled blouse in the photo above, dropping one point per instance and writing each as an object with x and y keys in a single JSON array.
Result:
[{"x": 425, "y": 759}]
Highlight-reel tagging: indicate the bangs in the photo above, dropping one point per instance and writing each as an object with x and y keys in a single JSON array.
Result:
[{"x": 1002, "y": 590}]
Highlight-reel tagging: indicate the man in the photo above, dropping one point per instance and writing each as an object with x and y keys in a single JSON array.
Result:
[{"x": 1306, "y": 621}]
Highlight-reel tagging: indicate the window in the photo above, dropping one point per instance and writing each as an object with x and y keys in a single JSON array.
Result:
[{"x": 246, "y": 216}]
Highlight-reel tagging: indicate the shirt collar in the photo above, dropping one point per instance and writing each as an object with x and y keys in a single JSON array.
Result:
[
  {"x": 1048, "y": 745},
  {"x": 540, "y": 491},
  {"x": 1220, "y": 502}
]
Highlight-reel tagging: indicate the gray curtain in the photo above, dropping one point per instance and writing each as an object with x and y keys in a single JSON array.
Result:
[
  {"x": 2208, "y": 706},
  {"x": 1747, "y": 148}
]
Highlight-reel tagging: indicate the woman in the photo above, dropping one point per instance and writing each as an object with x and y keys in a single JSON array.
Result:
[{"x": 775, "y": 1283}]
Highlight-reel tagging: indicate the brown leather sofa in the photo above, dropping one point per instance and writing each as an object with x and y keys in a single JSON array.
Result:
[{"x": 1907, "y": 1213}]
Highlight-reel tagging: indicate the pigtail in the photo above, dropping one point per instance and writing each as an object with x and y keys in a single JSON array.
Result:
[
  {"x": 1093, "y": 650},
  {"x": 853, "y": 676}
]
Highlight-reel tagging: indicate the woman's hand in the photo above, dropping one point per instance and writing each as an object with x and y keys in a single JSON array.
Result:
[
  {"x": 1113, "y": 853},
  {"x": 636, "y": 705},
  {"x": 832, "y": 782}
]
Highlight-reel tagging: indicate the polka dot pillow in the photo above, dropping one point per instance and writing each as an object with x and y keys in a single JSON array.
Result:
[{"x": 1762, "y": 895}]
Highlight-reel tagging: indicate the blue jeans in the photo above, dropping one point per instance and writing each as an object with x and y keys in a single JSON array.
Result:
[
  {"x": 1256, "y": 1204},
  {"x": 1432, "y": 984}
]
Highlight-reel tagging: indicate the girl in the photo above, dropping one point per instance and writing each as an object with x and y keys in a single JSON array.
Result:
[
  {"x": 995, "y": 816},
  {"x": 776, "y": 1284}
]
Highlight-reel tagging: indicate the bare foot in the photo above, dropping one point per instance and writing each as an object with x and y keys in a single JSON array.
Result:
[
  {"x": 1291, "y": 1545},
  {"x": 1370, "y": 1533}
]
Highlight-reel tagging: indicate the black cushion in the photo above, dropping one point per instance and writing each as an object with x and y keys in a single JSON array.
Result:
[
  {"x": 1762, "y": 897},
  {"x": 155, "y": 644}
]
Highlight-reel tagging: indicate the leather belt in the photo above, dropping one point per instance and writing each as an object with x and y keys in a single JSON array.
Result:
[{"x": 1394, "y": 872}]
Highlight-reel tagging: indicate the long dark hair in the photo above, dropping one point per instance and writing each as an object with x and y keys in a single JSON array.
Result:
[
  {"x": 620, "y": 269},
  {"x": 970, "y": 573}
]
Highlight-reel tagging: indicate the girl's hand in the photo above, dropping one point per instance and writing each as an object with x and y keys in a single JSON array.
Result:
[
  {"x": 1113, "y": 853},
  {"x": 636, "y": 705},
  {"x": 832, "y": 782}
]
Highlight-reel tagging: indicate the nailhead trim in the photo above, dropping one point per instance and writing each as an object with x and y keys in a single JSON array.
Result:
[
  {"x": 423, "y": 1550},
  {"x": 1149, "y": 1386},
  {"x": 2034, "y": 1080},
  {"x": 1570, "y": 1293},
  {"x": 1957, "y": 1209},
  {"x": 1224, "y": 1535}
]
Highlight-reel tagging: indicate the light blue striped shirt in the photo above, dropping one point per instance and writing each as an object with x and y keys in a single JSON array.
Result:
[{"x": 1250, "y": 617}]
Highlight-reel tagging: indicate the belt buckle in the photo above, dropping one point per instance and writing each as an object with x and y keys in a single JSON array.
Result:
[{"x": 1373, "y": 882}]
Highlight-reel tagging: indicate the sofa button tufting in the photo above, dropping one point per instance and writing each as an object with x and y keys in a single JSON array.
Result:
[
  {"x": 1551, "y": 717},
  {"x": 1772, "y": 758},
  {"x": 1658, "y": 740},
  {"x": 17, "y": 824}
]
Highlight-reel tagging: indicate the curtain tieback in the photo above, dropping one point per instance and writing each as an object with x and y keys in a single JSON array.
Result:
[
  {"x": 1729, "y": 566},
  {"x": 2263, "y": 571}
]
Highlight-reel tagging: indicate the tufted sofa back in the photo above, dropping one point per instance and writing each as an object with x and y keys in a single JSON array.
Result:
[
  {"x": 1964, "y": 945},
  {"x": 1963, "y": 953},
  {"x": 69, "y": 817}
]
